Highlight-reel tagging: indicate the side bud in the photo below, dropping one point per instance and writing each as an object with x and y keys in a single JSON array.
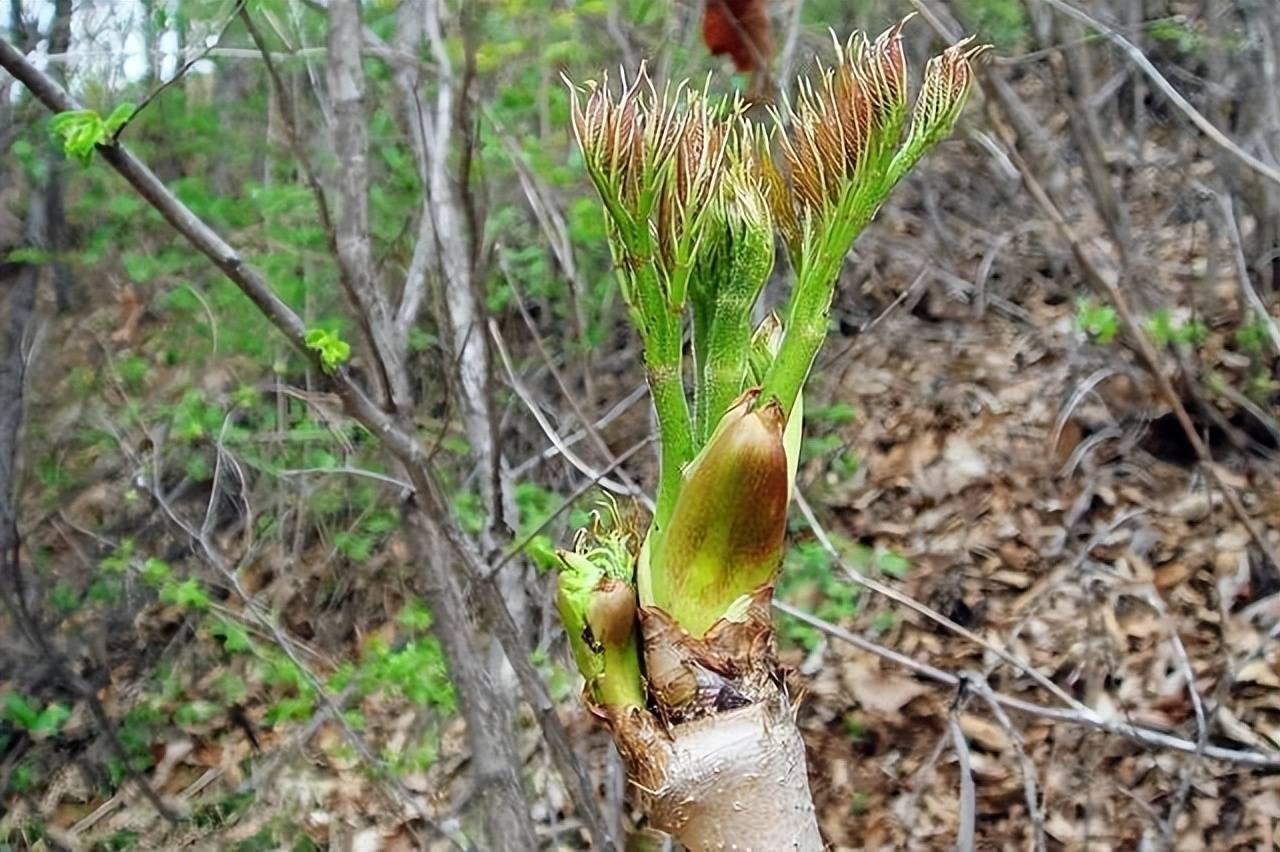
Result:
[{"x": 597, "y": 605}]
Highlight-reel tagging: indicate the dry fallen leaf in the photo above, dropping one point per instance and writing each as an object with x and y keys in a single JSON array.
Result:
[
  {"x": 984, "y": 732},
  {"x": 878, "y": 692}
]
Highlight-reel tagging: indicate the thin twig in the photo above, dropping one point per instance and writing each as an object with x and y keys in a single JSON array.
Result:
[
  {"x": 619, "y": 408},
  {"x": 350, "y": 471},
  {"x": 556, "y": 375},
  {"x": 968, "y": 792},
  {"x": 516, "y": 549},
  {"x": 181, "y": 72},
  {"x": 291, "y": 129},
  {"x": 554, "y": 437},
  {"x": 1027, "y": 768},
  {"x": 1113, "y": 292},
  {"x": 1144, "y": 736},
  {"x": 401, "y": 443},
  {"x": 1256, "y": 306}
]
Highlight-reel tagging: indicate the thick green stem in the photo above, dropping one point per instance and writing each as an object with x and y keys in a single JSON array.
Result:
[
  {"x": 800, "y": 344},
  {"x": 816, "y": 278},
  {"x": 806, "y": 325},
  {"x": 663, "y": 338},
  {"x": 664, "y": 364},
  {"x": 703, "y": 317},
  {"x": 667, "y": 390},
  {"x": 729, "y": 347}
]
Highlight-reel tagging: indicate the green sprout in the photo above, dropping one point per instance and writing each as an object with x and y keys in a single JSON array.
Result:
[
  {"x": 332, "y": 349},
  {"x": 694, "y": 193},
  {"x": 1098, "y": 321},
  {"x": 83, "y": 130}
]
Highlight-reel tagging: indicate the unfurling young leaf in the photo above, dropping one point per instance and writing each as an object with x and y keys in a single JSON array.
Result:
[
  {"x": 82, "y": 130},
  {"x": 332, "y": 349}
]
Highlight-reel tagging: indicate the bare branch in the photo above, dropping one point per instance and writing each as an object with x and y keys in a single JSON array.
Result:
[
  {"x": 518, "y": 547},
  {"x": 929, "y": 613},
  {"x": 629, "y": 490},
  {"x": 1144, "y": 736},
  {"x": 1247, "y": 293},
  {"x": 1028, "y": 769},
  {"x": 1110, "y": 289},
  {"x": 968, "y": 792},
  {"x": 181, "y": 72},
  {"x": 618, "y": 409}
]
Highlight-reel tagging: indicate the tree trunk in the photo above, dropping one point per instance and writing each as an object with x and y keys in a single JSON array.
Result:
[{"x": 495, "y": 760}]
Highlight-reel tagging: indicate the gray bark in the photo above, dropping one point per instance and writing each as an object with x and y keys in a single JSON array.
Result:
[
  {"x": 489, "y": 712},
  {"x": 55, "y": 163}
]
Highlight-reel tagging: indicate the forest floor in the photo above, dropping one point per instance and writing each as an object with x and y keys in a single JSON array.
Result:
[{"x": 1069, "y": 529}]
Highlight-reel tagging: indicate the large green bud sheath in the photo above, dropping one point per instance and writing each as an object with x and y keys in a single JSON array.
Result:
[{"x": 727, "y": 529}]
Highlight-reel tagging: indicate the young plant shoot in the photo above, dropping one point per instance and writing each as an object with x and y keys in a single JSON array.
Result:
[{"x": 672, "y": 628}]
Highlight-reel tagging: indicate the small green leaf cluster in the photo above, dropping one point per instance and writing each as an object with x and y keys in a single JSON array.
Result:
[
  {"x": 188, "y": 593},
  {"x": 824, "y": 439},
  {"x": 1099, "y": 321},
  {"x": 415, "y": 670},
  {"x": 1254, "y": 340},
  {"x": 811, "y": 578},
  {"x": 1252, "y": 337},
  {"x": 1164, "y": 330},
  {"x": 1176, "y": 30},
  {"x": 83, "y": 130},
  {"x": 24, "y": 712},
  {"x": 332, "y": 349}
]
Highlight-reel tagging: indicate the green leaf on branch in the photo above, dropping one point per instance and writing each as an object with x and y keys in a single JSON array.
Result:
[
  {"x": 82, "y": 130},
  {"x": 332, "y": 349}
]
